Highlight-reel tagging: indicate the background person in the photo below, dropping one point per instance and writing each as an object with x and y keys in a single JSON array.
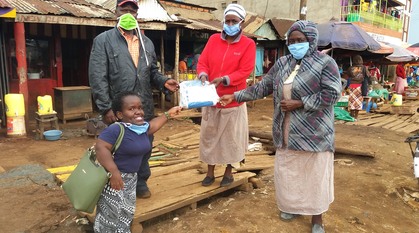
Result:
[
  {"x": 123, "y": 59},
  {"x": 183, "y": 68},
  {"x": 375, "y": 74},
  {"x": 400, "y": 79},
  {"x": 305, "y": 86},
  {"x": 358, "y": 85},
  {"x": 116, "y": 205},
  {"x": 224, "y": 129}
]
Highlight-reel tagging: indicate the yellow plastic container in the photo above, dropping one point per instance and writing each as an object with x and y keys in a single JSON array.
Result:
[
  {"x": 15, "y": 105},
  {"x": 396, "y": 100},
  {"x": 16, "y": 126},
  {"x": 45, "y": 105}
]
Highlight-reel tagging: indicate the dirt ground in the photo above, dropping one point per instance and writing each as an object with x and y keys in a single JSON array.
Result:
[{"x": 366, "y": 197}]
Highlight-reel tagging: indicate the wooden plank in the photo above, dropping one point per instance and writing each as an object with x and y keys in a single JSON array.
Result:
[
  {"x": 187, "y": 139},
  {"x": 63, "y": 177},
  {"x": 188, "y": 113},
  {"x": 400, "y": 120},
  {"x": 402, "y": 125},
  {"x": 384, "y": 122},
  {"x": 260, "y": 162},
  {"x": 372, "y": 120},
  {"x": 62, "y": 170},
  {"x": 409, "y": 129},
  {"x": 180, "y": 135},
  {"x": 261, "y": 152},
  {"x": 405, "y": 109},
  {"x": 158, "y": 153},
  {"x": 371, "y": 115},
  {"x": 392, "y": 124},
  {"x": 159, "y": 171},
  {"x": 347, "y": 151},
  {"x": 184, "y": 193},
  {"x": 260, "y": 134},
  {"x": 380, "y": 120},
  {"x": 414, "y": 118}
]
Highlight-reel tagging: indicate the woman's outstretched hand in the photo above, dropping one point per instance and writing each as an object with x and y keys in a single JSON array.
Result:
[
  {"x": 226, "y": 99},
  {"x": 217, "y": 81},
  {"x": 174, "y": 111},
  {"x": 290, "y": 105}
]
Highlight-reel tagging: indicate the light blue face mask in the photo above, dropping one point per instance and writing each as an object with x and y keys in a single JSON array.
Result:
[
  {"x": 298, "y": 50},
  {"x": 231, "y": 30},
  {"x": 138, "y": 129}
]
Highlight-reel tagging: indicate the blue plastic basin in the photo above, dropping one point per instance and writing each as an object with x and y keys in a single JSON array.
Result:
[{"x": 53, "y": 135}]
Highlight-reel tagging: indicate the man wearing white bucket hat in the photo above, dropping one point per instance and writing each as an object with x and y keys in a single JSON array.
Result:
[{"x": 226, "y": 61}]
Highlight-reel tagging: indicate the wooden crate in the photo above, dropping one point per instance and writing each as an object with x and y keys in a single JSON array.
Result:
[{"x": 404, "y": 109}]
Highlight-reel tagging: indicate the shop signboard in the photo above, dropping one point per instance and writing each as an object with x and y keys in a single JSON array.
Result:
[{"x": 7, "y": 12}]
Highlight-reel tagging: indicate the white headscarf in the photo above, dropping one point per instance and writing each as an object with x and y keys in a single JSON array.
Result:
[{"x": 235, "y": 9}]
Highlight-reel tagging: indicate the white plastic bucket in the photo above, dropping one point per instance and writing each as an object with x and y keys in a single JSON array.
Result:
[{"x": 16, "y": 126}]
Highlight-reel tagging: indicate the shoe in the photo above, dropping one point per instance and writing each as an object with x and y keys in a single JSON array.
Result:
[
  {"x": 144, "y": 194},
  {"x": 317, "y": 228},
  {"x": 226, "y": 181},
  {"x": 208, "y": 181},
  {"x": 287, "y": 216}
]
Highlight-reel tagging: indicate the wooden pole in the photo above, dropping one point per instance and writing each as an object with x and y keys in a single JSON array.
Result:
[
  {"x": 162, "y": 97},
  {"x": 162, "y": 52},
  {"x": 22, "y": 67},
  {"x": 58, "y": 60},
  {"x": 303, "y": 9},
  {"x": 176, "y": 71}
]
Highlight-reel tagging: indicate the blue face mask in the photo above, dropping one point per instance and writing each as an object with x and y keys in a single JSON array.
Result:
[
  {"x": 138, "y": 129},
  {"x": 298, "y": 50},
  {"x": 231, "y": 30}
]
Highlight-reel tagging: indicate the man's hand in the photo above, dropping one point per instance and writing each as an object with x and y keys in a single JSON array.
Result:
[
  {"x": 217, "y": 81},
  {"x": 290, "y": 105},
  {"x": 203, "y": 79},
  {"x": 226, "y": 99},
  {"x": 109, "y": 117},
  {"x": 172, "y": 85}
]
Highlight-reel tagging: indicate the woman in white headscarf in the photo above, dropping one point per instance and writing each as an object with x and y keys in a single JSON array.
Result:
[{"x": 226, "y": 61}]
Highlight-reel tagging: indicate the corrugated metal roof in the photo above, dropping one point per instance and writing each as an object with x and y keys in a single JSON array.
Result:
[
  {"x": 201, "y": 24},
  {"x": 151, "y": 10},
  {"x": 281, "y": 26},
  {"x": 252, "y": 22},
  {"x": 4, "y": 4},
  {"x": 107, "y": 4},
  {"x": 193, "y": 17},
  {"x": 78, "y": 8},
  {"x": 187, "y": 13}
]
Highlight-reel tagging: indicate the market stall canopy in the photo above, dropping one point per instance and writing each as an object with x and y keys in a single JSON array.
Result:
[
  {"x": 385, "y": 49},
  {"x": 345, "y": 35},
  {"x": 414, "y": 48},
  {"x": 401, "y": 54}
]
